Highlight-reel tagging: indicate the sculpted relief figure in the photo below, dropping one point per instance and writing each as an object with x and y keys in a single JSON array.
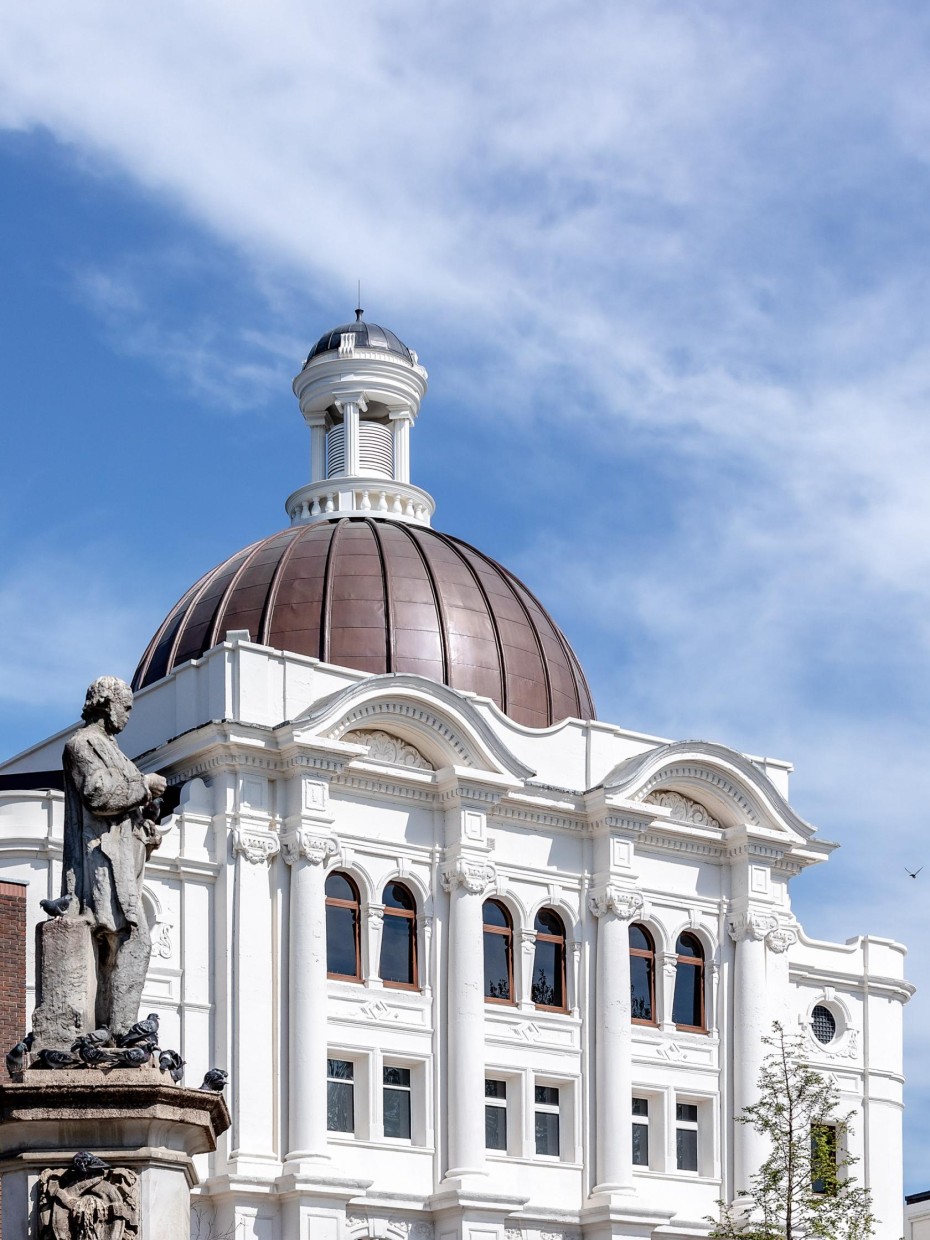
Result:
[{"x": 111, "y": 820}]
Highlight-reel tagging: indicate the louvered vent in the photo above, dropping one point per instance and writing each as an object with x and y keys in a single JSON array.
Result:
[{"x": 376, "y": 451}]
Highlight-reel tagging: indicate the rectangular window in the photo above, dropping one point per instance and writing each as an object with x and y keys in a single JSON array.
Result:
[
  {"x": 547, "y": 1120},
  {"x": 640, "y": 1132},
  {"x": 397, "y": 1102},
  {"x": 340, "y": 1095},
  {"x": 495, "y": 1115},
  {"x": 686, "y": 1136},
  {"x": 823, "y": 1158}
]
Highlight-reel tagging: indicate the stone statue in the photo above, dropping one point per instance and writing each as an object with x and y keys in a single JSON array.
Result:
[{"x": 111, "y": 818}]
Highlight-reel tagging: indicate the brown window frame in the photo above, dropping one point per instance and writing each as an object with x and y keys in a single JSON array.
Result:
[
  {"x": 681, "y": 958},
  {"x": 411, "y": 916},
  {"x": 356, "y": 905},
  {"x": 507, "y": 931},
  {"x": 545, "y": 937},
  {"x": 649, "y": 954}
]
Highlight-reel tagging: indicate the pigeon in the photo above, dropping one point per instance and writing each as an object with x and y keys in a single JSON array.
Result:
[
  {"x": 16, "y": 1058},
  {"x": 55, "y": 908},
  {"x": 48, "y": 1058},
  {"x": 87, "y": 1162},
  {"x": 93, "y": 1056},
  {"x": 130, "y": 1056},
  {"x": 914, "y": 873},
  {"x": 98, "y": 1037},
  {"x": 142, "y": 1031},
  {"x": 215, "y": 1080},
  {"x": 171, "y": 1061}
]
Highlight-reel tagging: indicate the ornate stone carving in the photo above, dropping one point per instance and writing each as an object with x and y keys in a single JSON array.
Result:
[
  {"x": 529, "y": 942},
  {"x": 624, "y": 903},
  {"x": 87, "y": 1202},
  {"x": 474, "y": 875},
  {"x": 669, "y": 965},
  {"x": 307, "y": 846},
  {"x": 682, "y": 807},
  {"x": 780, "y": 939},
  {"x": 256, "y": 846},
  {"x": 751, "y": 925},
  {"x": 161, "y": 940},
  {"x": 383, "y": 747}
]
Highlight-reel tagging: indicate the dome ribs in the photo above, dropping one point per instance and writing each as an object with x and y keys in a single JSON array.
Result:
[
  {"x": 354, "y": 614},
  {"x": 191, "y": 635},
  {"x": 379, "y": 595},
  {"x": 414, "y": 650},
  {"x": 573, "y": 678},
  {"x": 523, "y": 680},
  {"x": 388, "y": 601},
  {"x": 164, "y": 640},
  {"x": 467, "y": 643},
  {"x": 292, "y": 615},
  {"x": 240, "y": 597}
]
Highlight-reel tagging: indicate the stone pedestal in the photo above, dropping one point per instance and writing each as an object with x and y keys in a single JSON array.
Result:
[
  {"x": 66, "y": 983},
  {"x": 137, "y": 1120}
]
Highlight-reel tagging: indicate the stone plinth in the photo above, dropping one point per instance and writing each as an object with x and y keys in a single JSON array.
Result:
[
  {"x": 136, "y": 1120},
  {"x": 66, "y": 983}
]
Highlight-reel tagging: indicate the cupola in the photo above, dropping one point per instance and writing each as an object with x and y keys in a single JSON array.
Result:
[{"x": 360, "y": 391}]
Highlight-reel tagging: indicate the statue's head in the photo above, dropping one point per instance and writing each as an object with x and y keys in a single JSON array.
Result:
[{"x": 108, "y": 700}]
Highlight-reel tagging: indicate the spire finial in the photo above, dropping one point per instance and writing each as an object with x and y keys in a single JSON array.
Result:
[{"x": 358, "y": 305}]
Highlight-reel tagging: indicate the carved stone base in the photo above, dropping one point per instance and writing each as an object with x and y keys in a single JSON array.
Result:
[
  {"x": 143, "y": 1126},
  {"x": 65, "y": 966}
]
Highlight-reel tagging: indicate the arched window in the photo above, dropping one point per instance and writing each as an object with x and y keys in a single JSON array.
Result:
[
  {"x": 642, "y": 976},
  {"x": 498, "y": 953},
  {"x": 343, "y": 958},
  {"x": 688, "y": 1007},
  {"x": 548, "y": 990},
  {"x": 399, "y": 937}
]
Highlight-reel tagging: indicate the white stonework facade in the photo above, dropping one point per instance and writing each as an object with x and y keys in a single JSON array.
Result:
[
  {"x": 455, "y": 1106},
  {"x": 389, "y": 778}
]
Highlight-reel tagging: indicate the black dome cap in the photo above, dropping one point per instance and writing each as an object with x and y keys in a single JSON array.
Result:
[{"x": 367, "y": 336}]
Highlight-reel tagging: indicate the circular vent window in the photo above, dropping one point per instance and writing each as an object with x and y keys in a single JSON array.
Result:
[{"x": 823, "y": 1023}]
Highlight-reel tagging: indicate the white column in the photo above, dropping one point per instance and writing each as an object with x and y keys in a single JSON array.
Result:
[
  {"x": 317, "y": 424},
  {"x": 350, "y": 409},
  {"x": 614, "y": 907},
  {"x": 466, "y": 881},
  {"x": 752, "y": 1021},
  {"x": 307, "y": 853},
  {"x": 401, "y": 423},
  {"x": 252, "y": 1091}
]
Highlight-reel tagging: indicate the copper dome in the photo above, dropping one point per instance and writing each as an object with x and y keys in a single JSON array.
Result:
[{"x": 383, "y": 596}]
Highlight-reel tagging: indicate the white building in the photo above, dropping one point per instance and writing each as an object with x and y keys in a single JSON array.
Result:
[{"x": 477, "y": 966}]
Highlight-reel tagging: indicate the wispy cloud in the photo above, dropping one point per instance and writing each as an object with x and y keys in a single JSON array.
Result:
[{"x": 669, "y": 265}]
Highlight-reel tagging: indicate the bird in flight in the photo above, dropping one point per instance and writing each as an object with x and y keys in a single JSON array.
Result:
[{"x": 914, "y": 873}]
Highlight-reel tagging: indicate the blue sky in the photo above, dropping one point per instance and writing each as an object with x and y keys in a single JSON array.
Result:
[{"x": 667, "y": 265}]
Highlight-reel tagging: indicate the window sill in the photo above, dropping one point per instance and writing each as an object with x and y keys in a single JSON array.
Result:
[
  {"x": 541, "y": 1160},
  {"x": 686, "y": 1177},
  {"x": 388, "y": 1143}
]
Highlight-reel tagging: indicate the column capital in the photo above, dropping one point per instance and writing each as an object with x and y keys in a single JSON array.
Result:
[
  {"x": 255, "y": 845},
  {"x": 474, "y": 874},
  {"x": 358, "y": 399},
  {"x": 780, "y": 939},
  {"x": 620, "y": 901},
  {"x": 751, "y": 924},
  {"x": 309, "y": 846}
]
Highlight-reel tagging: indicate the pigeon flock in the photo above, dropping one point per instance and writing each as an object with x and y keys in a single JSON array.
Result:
[{"x": 136, "y": 1048}]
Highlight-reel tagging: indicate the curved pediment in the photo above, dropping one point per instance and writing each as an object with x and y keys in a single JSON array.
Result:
[
  {"x": 725, "y": 784},
  {"x": 442, "y": 726}
]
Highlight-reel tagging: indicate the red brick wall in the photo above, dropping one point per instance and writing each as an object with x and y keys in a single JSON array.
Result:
[{"x": 12, "y": 965}]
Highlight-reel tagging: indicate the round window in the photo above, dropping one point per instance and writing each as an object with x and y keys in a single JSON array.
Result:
[{"x": 823, "y": 1024}]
